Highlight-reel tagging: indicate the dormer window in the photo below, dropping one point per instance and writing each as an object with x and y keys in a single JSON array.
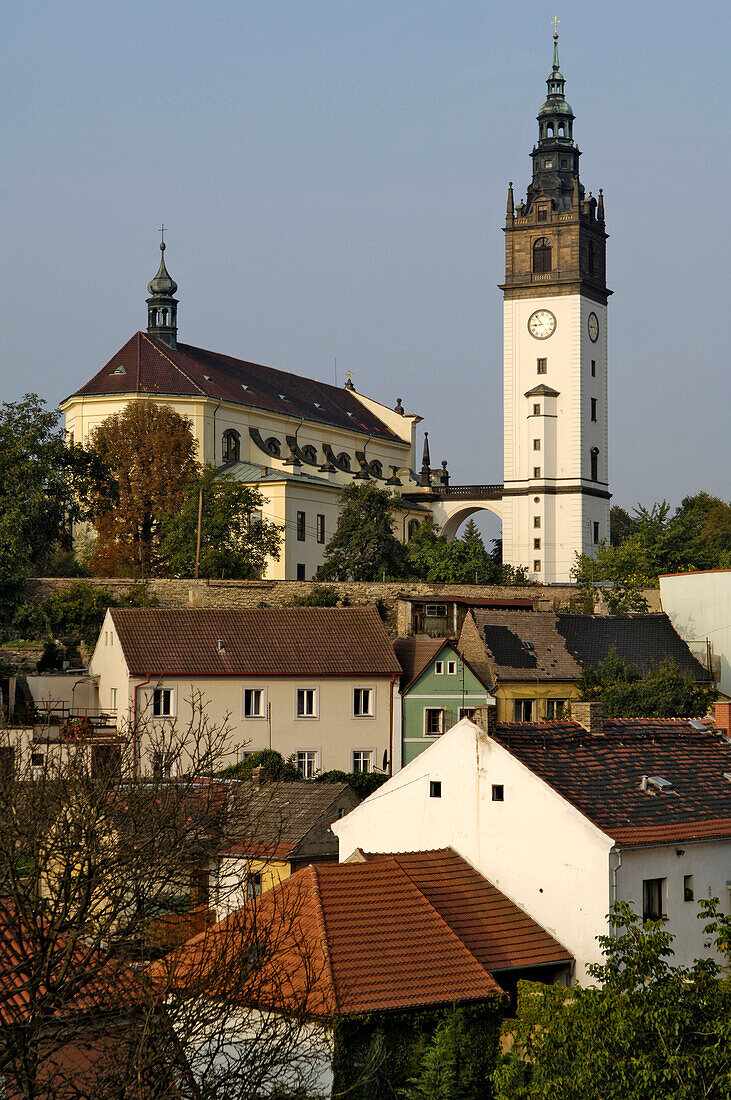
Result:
[{"x": 542, "y": 213}]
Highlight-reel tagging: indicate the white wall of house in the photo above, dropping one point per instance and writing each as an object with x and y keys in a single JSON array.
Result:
[
  {"x": 708, "y": 864},
  {"x": 699, "y": 607},
  {"x": 333, "y": 733},
  {"x": 533, "y": 845}
]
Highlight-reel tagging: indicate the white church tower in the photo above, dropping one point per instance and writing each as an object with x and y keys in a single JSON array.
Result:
[{"x": 556, "y": 493}]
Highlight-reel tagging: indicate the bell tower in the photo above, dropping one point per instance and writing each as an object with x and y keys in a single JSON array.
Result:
[
  {"x": 162, "y": 307},
  {"x": 555, "y": 492}
]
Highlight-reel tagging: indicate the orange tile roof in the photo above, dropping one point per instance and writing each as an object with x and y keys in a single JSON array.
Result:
[
  {"x": 274, "y": 641},
  {"x": 390, "y": 933}
]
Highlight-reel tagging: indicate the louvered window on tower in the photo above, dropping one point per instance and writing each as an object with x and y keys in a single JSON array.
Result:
[{"x": 542, "y": 256}]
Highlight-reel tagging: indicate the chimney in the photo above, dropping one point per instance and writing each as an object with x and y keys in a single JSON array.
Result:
[
  {"x": 195, "y": 595},
  {"x": 722, "y": 716},
  {"x": 588, "y": 715},
  {"x": 486, "y": 718},
  {"x": 259, "y": 777}
]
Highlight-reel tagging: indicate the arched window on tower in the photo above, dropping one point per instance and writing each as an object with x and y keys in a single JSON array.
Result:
[
  {"x": 549, "y": 130},
  {"x": 594, "y": 463},
  {"x": 562, "y": 130},
  {"x": 592, "y": 257},
  {"x": 542, "y": 256},
  {"x": 231, "y": 446}
]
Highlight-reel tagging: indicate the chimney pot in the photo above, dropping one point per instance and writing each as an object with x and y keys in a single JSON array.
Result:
[{"x": 589, "y": 715}]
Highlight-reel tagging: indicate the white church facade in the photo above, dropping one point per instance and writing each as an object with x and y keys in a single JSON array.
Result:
[{"x": 299, "y": 441}]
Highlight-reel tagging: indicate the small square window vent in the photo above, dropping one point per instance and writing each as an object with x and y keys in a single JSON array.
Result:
[
  {"x": 435, "y": 788},
  {"x": 207, "y": 378},
  {"x": 317, "y": 405},
  {"x": 119, "y": 370},
  {"x": 244, "y": 386},
  {"x": 659, "y": 783},
  {"x": 350, "y": 414},
  {"x": 282, "y": 397},
  {"x": 698, "y": 725}
]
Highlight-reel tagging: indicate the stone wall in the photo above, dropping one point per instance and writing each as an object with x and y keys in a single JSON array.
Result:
[{"x": 252, "y": 594}]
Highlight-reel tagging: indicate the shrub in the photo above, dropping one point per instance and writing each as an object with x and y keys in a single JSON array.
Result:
[{"x": 31, "y": 621}]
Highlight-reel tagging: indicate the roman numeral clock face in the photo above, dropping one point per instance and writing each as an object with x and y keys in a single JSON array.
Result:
[{"x": 542, "y": 324}]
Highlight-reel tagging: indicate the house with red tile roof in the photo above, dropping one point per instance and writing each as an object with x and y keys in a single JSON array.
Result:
[
  {"x": 316, "y": 683},
  {"x": 382, "y": 934},
  {"x": 296, "y": 439},
  {"x": 567, "y": 817}
]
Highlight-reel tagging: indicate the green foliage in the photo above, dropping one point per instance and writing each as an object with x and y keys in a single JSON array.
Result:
[
  {"x": 665, "y": 692},
  {"x": 235, "y": 540},
  {"x": 277, "y": 767},
  {"x": 364, "y": 546},
  {"x": 646, "y": 1030},
  {"x": 432, "y": 557},
  {"x": 654, "y": 541},
  {"x": 363, "y": 783},
  {"x": 384, "y": 1055},
  {"x": 456, "y": 1064},
  {"x": 31, "y": 621},
  {"x": 320, "y": 595},
  {"x": 45, "y": 486},
  {"x": 78, "y": 610},
  {"x": 52, "y": 657}
]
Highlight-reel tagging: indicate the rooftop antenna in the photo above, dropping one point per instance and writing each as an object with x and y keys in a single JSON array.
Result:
[{"x": 336, "y": 370}]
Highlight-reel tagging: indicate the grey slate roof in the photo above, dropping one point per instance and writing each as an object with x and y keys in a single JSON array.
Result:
[
  {"x": 274, "y": 820},
  {"x": 641, "y": 640},
  {"x": 525, "y": 645}
]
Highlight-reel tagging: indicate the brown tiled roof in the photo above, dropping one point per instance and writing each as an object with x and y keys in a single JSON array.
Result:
[
  {"x": 274, "y": 641},
  {"x": 602, "y": 775},
  {"x": 371, "y": 937},
  {"x": 499, "y": 934},
  {"x": 147, "y": 365},
  {"x": 640, "y": 640},
  {"x": 32, "y": 959},
  {"x": 415, "y": 654},
  {"x": 276, "y": 818},
  {"x": 545, "y": 656}
]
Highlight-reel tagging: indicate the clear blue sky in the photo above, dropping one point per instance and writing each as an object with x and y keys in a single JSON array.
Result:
[{"x": 333, "y": 176}]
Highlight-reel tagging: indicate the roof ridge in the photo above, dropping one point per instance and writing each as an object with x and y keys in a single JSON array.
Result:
[
  {"x": 322, "y": 927},
  {"x": 430, "y": 905},
  {"x": 173, "y": 364}
]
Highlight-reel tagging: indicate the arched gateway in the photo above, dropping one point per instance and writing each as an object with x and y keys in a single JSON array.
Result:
[{"x": 451, "y": 505}]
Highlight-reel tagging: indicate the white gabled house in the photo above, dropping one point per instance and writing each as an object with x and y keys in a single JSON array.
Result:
[{"x": 565, "y": 817}]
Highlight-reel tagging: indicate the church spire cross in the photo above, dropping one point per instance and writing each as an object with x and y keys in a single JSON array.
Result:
[
  {"x": 161, "y": 231},
  {"x": 554, "y": 23}
]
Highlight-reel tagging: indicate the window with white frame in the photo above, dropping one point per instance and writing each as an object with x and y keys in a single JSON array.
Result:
[
  {"x": 653, "y": 899},
  {"x": 254, "y": 703},
  {"x": 433, "y": 721},
  {"x": 451, "y": 668},
  {"x": 555, "y": 708},
  {"x": 439, "y": 668},
  {"x": 307, "y": 763},
  {"x": 306, "y": 703},
  {"x": 162, "y": 703},
  {"x": 363, "y": 702},
  {"x": 362, "y": 761}
]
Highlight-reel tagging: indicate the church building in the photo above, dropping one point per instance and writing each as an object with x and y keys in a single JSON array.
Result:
[
  {"x": 300, "y": 441},
  {"x": 297, "y": 440}
]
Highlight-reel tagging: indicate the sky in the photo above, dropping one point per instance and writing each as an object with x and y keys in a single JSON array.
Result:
[{"x": 333, "y": 179}]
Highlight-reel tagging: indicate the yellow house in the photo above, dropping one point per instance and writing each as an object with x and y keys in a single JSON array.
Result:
[
  {"x": 282, "y": 827},
  {"x": 296, "y": 439}
]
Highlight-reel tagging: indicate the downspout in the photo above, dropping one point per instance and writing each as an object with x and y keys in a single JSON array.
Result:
[
  {"x": 390, "y": 726},
  {"x": 134, "y": 724},
  {"x": 614, "y": 889},
  {"x": 218, "y": 406}
]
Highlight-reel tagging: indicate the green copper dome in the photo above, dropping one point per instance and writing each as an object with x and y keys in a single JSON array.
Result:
[
  {"x": 162, "y": 285},
  {"x": 555, "y": 105}
]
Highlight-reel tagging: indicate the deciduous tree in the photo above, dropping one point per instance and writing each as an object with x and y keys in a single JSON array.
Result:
[
  {"x": 646, "y": 1030},
  {"x": 364, "y": 546},
  {"x": 152, "y": 452},
  {"x": 46, "y": 484},
  {"x": 666, "y": 691},
  {"x": 235, "y": 540}
]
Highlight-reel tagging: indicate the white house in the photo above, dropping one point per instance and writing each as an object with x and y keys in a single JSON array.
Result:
[
  {"x": 699, "y": 607},
  {"x": 316, "y": 683},
  {"x": 564, "y": 818}
]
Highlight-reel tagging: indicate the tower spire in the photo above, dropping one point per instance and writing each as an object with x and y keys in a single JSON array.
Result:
[{"x": 162, "y": 306}]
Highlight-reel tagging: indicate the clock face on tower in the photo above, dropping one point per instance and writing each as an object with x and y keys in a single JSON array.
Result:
[
  {"x": 542, "y": 324},
  {"x": 593, "y": 324}
]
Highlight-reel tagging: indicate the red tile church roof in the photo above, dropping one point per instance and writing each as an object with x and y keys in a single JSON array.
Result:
[{"x": 147, "y": 365}]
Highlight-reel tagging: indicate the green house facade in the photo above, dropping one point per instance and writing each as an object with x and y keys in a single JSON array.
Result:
[{"x": 438, "y": 687}]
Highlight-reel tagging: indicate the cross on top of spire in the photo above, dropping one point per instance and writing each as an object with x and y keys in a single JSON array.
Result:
[{"x": 554, "y": 23}]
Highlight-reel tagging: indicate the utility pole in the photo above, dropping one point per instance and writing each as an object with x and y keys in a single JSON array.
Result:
[{"x": 198, "y": 539}]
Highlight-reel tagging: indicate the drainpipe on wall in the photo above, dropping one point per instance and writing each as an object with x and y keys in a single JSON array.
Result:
[
  {"x": 390, "y": 726},
  {"x": 614, "y": 889},
  {"x": 134, "y": 724},
  {"x": 218, "y": 406}
]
